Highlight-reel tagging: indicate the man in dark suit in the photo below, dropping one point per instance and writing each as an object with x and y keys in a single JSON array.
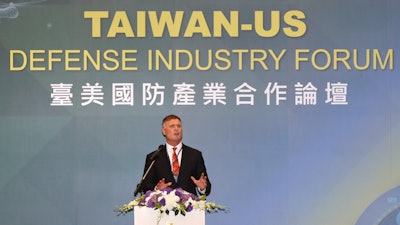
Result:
[{"x": 176, "y": 165}]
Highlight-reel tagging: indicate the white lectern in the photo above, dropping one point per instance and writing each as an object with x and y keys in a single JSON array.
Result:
[{"x": 149, "y": 216}]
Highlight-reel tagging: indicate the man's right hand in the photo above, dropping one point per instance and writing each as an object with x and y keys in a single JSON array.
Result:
[{"x": 161, "y": 184}]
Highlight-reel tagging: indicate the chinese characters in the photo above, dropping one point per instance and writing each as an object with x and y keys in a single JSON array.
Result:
[{"x": 210, "y": 94}]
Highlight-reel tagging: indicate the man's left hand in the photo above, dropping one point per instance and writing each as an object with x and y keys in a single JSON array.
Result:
[{"x": 201, "y": 183}]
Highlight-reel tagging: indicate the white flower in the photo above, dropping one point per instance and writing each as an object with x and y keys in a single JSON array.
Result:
[
  {"x": 171, "y": 200},
  {"x": 199, "y": 205},
  {"x": 133, "y": 203}
]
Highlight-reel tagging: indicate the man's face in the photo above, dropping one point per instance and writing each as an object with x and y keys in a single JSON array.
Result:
[{"x": 172, "y": 130}]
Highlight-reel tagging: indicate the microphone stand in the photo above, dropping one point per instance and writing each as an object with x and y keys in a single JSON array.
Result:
[
  {"x": 139, "y": 185},
  {"x": 153, "y": 158}
]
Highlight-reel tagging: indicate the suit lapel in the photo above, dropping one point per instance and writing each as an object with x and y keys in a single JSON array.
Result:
[
  {"x": 184, "y": 155},
  {"x": 184, "y": 162}
]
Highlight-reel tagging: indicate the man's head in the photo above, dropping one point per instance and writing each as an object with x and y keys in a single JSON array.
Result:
[{"x": 172, "y": 129}]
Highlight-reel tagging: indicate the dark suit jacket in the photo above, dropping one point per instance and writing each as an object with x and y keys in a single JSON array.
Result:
[{"x": 192, "y": 164}]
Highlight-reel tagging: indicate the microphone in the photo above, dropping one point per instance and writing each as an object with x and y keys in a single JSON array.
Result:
[{"x": 156, "y": 153}]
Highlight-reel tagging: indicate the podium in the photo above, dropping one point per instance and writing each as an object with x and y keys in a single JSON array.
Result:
[{"x": 149, "y": 216}]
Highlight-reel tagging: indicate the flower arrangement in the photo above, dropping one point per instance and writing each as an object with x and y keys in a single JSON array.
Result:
[{"x": 166, "y": 201}]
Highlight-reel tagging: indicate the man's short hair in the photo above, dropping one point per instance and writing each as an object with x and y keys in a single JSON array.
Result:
[{"x": 170, "y": 117}]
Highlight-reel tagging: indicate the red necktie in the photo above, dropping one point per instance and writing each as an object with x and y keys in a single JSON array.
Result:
[{"x": 175, "y": 162}]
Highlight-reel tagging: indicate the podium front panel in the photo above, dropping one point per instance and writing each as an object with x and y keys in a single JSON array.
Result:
[{"x": 149, "y": 216}]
